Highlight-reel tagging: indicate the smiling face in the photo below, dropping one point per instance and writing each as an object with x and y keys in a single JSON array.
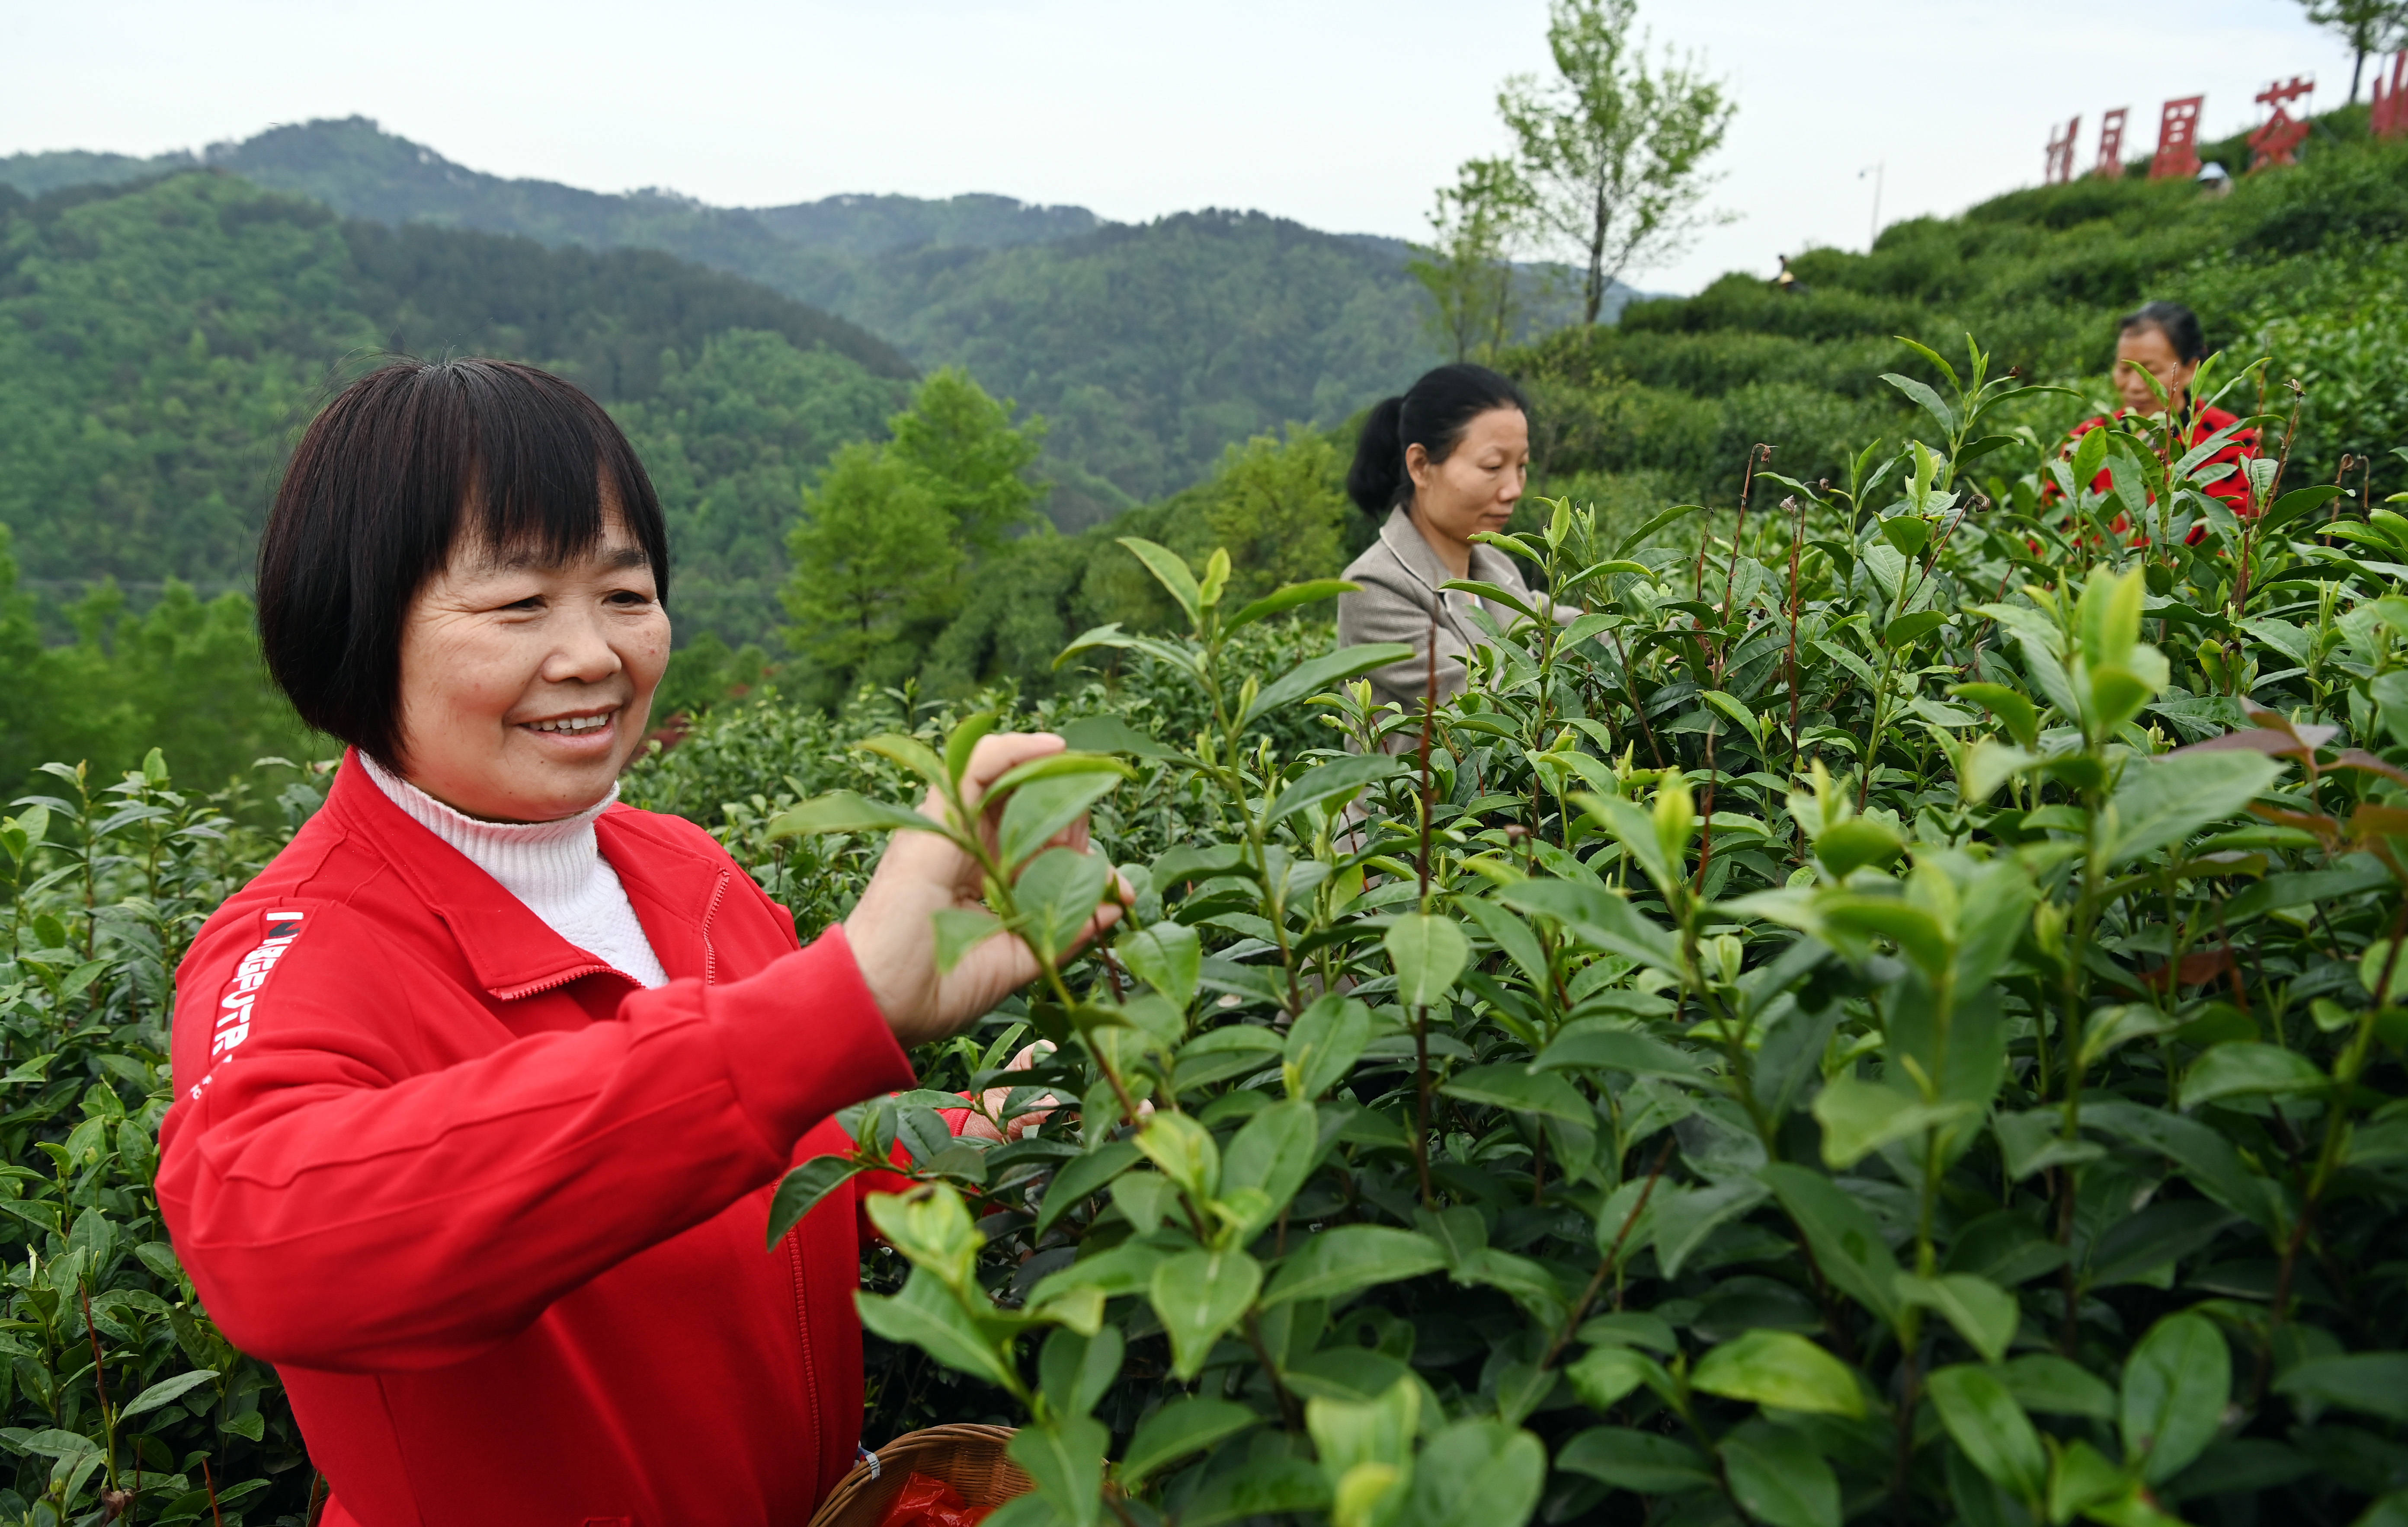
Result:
[
  {"x": 1482, "y": 479},
  {"x": 2144, "y": 347},
  {"x": 526, "y": 687}
]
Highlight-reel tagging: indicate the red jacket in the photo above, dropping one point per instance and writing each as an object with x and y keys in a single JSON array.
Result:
[
  {"x": 496, "y": 1213},
  {"x": 2231, "y": 490}
]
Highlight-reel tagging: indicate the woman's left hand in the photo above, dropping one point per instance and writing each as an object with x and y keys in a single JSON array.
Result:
[
  {"x": 980, "y": 1124},
  {"x": 892, "y": 930}
]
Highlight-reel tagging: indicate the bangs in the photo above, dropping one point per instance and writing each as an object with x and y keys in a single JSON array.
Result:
[
  {"x": 408, "y": 465},
  {"x": 531, "y": 467}
]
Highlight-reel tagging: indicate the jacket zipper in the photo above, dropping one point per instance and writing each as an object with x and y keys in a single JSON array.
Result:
[
  {"x": 810, "y": 1369},
  {"x": 709, "y": 955},
  {"x": 513, "y": 994}
]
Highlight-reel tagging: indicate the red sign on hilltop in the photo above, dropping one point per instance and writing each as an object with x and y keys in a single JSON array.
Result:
[
  {"x": 2111, "y": 143},
  {"x": 2178, "y": 139},
  {"x": 2060, "y": 154},
  {"x": 2275, "y": 142},
  {"x": 2390, "y": 119}
]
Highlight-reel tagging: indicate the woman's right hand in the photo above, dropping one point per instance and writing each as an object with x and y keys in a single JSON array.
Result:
[{"x": 892, "y": 930}]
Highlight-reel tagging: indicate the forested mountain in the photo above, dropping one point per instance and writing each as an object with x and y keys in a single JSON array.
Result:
[
  {"x": 160, "y": 341},
  {"x": 1152, "y": 348},
  {"x": 864, "y": 225},
  {"x": 1148, "y": 348}
]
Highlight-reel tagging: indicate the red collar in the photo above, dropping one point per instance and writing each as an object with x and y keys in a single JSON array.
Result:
[{"x": 513, "y": 952}]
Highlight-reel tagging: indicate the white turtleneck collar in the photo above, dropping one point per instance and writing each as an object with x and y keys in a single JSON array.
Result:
[{"x": 556, "y": 867}]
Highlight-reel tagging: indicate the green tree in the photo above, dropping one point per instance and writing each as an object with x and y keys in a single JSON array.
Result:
[
  {"x": 877, "y": 564},
  {"x": 888, "y": 537},
  {"x": 1280, "y": 508},
  {"x": 1612, "y": 147},
  {"x": 2369, "y": 26},
  {"x": 184, "y": 675},
  {"x": 1468, "y": 266},
  {"x": 962, "y": 444},
  {"x": 1016, "y": 617}
]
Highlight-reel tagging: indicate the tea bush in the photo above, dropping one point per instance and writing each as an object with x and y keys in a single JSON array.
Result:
[
  {"x": 122, "y": 1397},
  {"x": 1893, "y": 1008},
  {"x": 143, "y": 1409}
]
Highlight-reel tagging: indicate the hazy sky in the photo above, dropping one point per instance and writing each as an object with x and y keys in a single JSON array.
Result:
[{"x": 1344, "y": 114}]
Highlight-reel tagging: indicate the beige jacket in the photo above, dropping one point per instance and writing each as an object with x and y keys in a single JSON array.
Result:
[{"x": 1400, "y": 578}]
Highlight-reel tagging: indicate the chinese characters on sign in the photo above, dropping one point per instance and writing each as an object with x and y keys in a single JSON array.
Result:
[
  {"x": 2060, "y": 154},
  {"x": 2177, "y": 139},
  {"x": 2390, "y": 118},
  {"x": 2275, "y": 142},
  {"x": 2111, "y": 143}
]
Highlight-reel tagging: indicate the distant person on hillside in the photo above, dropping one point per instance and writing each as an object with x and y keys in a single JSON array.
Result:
[
  {"x": 1436, "y": 466},
  {"x": 1788, "y": 280},
  {"x": 2162, "y": 341}
]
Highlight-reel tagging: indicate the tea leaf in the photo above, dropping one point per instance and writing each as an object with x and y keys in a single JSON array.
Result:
[
  {"x": 1043, "y": 807},
  {"x": 1985, "y": 1420},
  {"x": 800, "y": 1191},
  {"x": 2245, "y": 1069},
  {"x": 1182, "y": 1427},
  {"x": 1983, "y": 1313},
  {"x": 1198, "y": 1295},
  {"x": 2166, "y": 800},
  {"x": 1340, "y": 1262},
  {"x": 927, "y": 1316},
  {"x": 1778, "y": 1478},
  {"x": 1645, "y": 1462},
  {"x": 1315, "y": 675},
  {"x": 1429, "y": 952},
  {"x": 844, "y": 812},
  {"x": 2373, "y": 1383},
  {"x": 1167, "y": 956},
  {"x": 2177, "y": 1384},
  {"x": 1170, "y": 569},
  {"x": 1780, "y": 1368},
  {"x": 165, "y": 1391},
  {"x": 1066, "y": 1458}
]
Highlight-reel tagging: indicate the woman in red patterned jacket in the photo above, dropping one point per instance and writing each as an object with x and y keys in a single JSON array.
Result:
[
  {"x": 483, "y": 1085},
  {"x": 2162, "y": 341}
]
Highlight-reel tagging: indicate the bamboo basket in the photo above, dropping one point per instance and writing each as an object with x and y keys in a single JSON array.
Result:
[{"x": 967, "y": 1457}]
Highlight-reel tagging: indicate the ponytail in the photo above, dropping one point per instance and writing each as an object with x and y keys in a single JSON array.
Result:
[
  {"x": 1379, "y": 468},
  {"x": 1433, "y": 413}
]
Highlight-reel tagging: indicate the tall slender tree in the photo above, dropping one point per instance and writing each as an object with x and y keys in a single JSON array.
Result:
[
  {"x": 2369, "y": 26},
  {"x": 1612, "y": 147},
  {"x": 1467, "y": 265}
]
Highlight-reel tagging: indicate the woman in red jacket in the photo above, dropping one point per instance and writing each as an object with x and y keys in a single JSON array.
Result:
[
  {"x": 2162, "y": 341},
  {"x": 483, "y": 1084}
]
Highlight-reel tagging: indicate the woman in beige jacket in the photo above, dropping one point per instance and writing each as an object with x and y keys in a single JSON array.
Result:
[{"x": 1445, "y": 462}]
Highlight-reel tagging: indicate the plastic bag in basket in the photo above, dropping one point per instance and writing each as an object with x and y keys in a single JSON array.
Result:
[{"x": 924, "y": 1502}]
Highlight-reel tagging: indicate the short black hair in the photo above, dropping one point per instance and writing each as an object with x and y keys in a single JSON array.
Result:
[
  {"x": 1434, "y": 413},
  {"x": 2178, "y": 323},
  {"x": 384, "y": 484}
]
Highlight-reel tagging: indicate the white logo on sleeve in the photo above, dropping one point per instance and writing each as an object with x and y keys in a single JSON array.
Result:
[{"x": 234, "y": 1005}]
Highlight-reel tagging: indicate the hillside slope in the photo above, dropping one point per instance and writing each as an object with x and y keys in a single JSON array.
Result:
[
  {"x": 160, "y": 341},
  {"x": 2306, "y": 264}
]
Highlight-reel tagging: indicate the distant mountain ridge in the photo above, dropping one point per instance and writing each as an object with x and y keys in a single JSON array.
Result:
[
  {"x": 876, "y": 224},
  {"x": 359, "y": 169},
  {"x": 1148, "y": 348}
]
